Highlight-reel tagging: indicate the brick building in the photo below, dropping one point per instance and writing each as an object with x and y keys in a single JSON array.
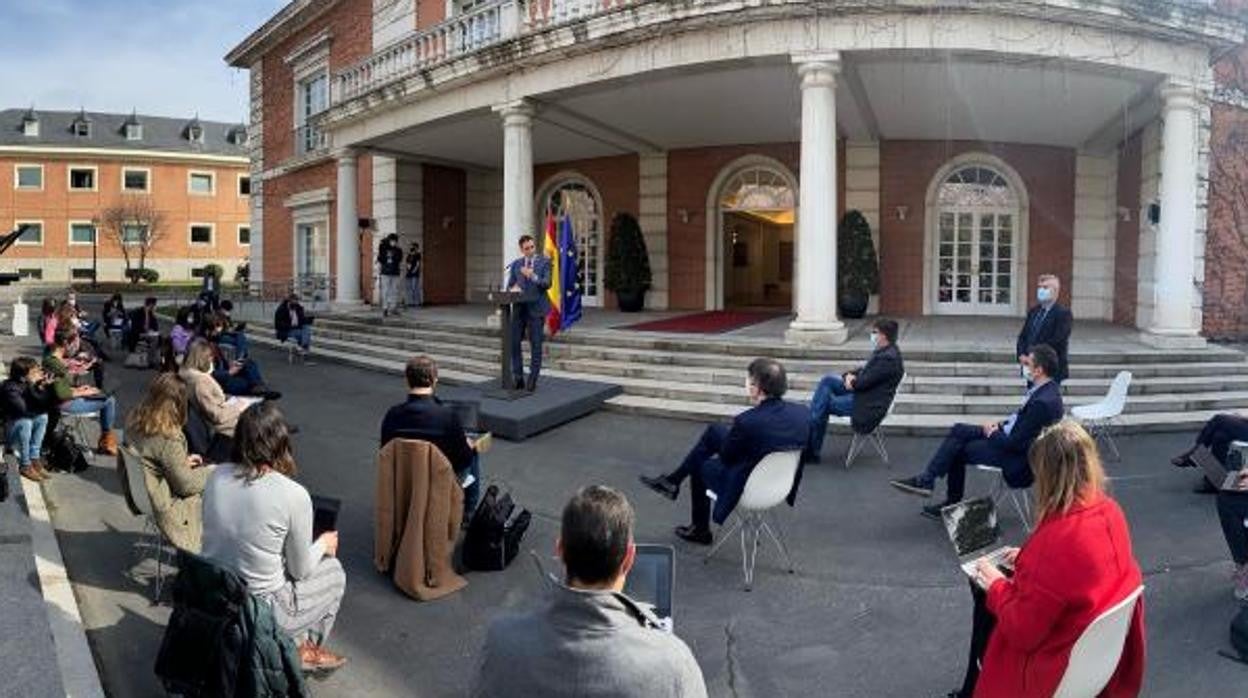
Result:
[
  {"x": 1102, "y": 141},
  {"x": 61, "y": 173}
]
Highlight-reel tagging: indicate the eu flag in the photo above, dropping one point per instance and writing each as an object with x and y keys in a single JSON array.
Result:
[{"x": 570, "y": 305}]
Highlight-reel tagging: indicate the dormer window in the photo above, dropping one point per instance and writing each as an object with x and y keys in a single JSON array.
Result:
[
  {"x": 30, "y": 127},
  {"x": 82, "y": 129},
  {"x": 195, "y": 133},
  {"x": 238, "y": 136},
  {"x": 134, "y": 132}
]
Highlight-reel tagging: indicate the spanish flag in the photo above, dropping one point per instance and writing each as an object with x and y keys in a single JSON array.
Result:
[{"x": 565, "y": 290}]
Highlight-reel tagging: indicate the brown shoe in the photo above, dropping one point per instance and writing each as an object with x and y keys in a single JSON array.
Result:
[
  {"x": 29, "y": 473},
  {"x": 41, "y": 471},
  {"x": 108, "y": 444},
  {"x": 319, "y": 661}
]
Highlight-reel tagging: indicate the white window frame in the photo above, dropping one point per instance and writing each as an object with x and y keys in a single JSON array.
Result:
[
  {"x": 147, "y": 189},
  {"x": 30, "y": 273},
  {"x": 43, "y": 232},
  {"x": 238, "y": 186},
  {"x": 136, "y": 134},
  {"x": 28, "y": 131},
  {"x": 212, "y": 234},
  {"x": 195, "y": 134},
  {"x": 238, "y": 234},
  {"x": 131, "y": 243},
  {"x": 212, "y": 178},
  {"x": 82, "y": 123},
  {"x": 69, "y": 232},
  {"x": 17, "y": 186},
  {"x": 95, "y": 177}
]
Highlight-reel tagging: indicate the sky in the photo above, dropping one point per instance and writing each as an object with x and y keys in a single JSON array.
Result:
[{"x": 160, "y": 57}]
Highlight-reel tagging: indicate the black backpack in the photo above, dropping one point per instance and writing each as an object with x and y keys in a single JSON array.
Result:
[
  {"x": 494, "y": 533},
  {"x": 64, "y": 453}
]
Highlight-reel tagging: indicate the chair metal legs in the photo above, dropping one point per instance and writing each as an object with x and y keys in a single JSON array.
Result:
[
  {"x": 1102, "y": 430},
  {"x": 752, "y": 524},
  {"x": 859, "y": 442},
  {"x": 154, "y": 540},
  {"x": 1020, "y": 499}
]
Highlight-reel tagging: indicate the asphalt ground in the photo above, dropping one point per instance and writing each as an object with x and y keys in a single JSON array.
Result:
[{"x": 876, "y": 608}]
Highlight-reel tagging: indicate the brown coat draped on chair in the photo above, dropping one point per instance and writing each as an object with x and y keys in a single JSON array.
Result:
[{"x": 418, "y": 512}]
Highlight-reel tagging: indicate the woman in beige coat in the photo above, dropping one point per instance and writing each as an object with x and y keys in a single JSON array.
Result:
[
  {"x": 220, "y": 413},
  {"x": 175, "y": 480}
]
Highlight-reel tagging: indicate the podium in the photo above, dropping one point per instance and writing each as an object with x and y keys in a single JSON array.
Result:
[{"x": 504, "y": 300}]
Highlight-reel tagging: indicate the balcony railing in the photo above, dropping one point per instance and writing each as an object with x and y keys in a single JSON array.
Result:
[
  {"x": 310, "y": 139},
  {"x": 489, "y": 24}
]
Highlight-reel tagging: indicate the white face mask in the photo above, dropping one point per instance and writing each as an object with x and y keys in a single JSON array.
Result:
[
  {"x": 875, "y": 340},
  {"x": 1044, "y": 294},
  {"x": 1027, "y": 372}
]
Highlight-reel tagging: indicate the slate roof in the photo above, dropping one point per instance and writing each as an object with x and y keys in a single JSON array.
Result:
[{"x": 107, "y": 131}]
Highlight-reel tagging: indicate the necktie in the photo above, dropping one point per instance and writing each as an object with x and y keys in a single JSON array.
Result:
[{"x": 1035, "y": 327}]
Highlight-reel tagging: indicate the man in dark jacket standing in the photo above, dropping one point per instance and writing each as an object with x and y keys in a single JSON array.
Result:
[
  {"x": 422, "y": 416},
  {"x": 389, "y": 266},
  {"x": 531, "y": 276},
  {"x": 724, "y": 457},
  {"x": 864, "y": 395},
  {"x": 1048, "y": 322},
  {"x": 1003, "y": 444}
]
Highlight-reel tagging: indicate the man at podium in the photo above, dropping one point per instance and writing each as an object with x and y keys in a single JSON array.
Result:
[{"x": 530, "y": 276}]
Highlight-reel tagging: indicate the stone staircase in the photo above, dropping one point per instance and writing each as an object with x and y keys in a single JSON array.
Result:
[{"x": 701, "y": 379}]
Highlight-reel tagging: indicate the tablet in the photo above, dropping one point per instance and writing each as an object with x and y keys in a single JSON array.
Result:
[{"x": 652, "y": 578}]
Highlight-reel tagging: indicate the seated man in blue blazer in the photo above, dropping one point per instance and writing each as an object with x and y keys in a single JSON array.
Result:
[
  {"x": 724, "y": 457},
  {"x": 1003, "y": 444}
]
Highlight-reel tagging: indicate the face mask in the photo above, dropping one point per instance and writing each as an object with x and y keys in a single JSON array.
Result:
[
  {"x": 875, "y": 340},
  {"x": 1044, "y": 295},
  {"x": 1027, "y": 373}
]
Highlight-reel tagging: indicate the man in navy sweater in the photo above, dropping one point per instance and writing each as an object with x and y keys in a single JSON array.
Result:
[
  {"x": 724, "y": 457},
  {"x": 1003, "y": 444}
]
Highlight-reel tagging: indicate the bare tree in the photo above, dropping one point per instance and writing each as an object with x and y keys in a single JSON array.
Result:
[{"x": 136, "y": 225}]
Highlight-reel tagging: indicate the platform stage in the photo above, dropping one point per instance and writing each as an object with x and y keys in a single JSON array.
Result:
[{"x": 556, "y": 401}]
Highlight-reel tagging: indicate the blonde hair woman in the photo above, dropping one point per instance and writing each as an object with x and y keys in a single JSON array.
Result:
[
  {"x": 220, "y": 413},
  {"x": 175, "y": 480},
  {"x": 1076, "y": 564}
]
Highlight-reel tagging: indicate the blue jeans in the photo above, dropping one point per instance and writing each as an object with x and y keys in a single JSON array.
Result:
[
  {"x": 831, "y": 398},
  {"x": 301, "y": 335},
  {"x": 413, "y": 291},
  {"x": 26, "y": 437},
  {"x": 106, "y": 406},
  {"x": 238, "y": 340},
  {"x": 241, "y": 383}
]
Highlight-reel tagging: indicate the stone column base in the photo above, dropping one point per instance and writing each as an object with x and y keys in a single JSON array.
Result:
[
  {"x": 1168, "y": 339},
  {"x": 494, "y": 320},
  {"x": 812, "y": 335}
]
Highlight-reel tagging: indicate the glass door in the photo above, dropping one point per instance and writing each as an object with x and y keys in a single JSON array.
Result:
[{"x": 975, "y": 270}]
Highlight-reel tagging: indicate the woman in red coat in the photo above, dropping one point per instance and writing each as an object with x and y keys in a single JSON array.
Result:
[{"x": 1075, "y": 565}]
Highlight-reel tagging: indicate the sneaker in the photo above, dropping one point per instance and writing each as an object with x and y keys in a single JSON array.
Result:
[
  {"x": 661, "y": 485},
  {"x": 913, "y": 485},
  {"x": 693, "y": 535}
]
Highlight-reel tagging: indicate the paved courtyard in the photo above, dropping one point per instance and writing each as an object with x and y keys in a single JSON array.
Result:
[{"x": 877, "y": 607}]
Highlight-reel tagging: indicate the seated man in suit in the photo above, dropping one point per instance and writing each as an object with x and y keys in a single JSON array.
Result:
[
  {"x": 724, "y": 457},
  {"x": 864, "y": 395},
  {"x": 1003, "y": 444},
  {"x": 1048, "y": 322},
  {"x": 143, "y": 324},
  {"x": 422, "y": 416}
]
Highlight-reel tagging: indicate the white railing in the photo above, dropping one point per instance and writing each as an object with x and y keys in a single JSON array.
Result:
[{"x": 476, "y": 29}]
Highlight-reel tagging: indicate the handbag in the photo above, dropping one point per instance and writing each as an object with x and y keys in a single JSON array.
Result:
[
  {"x": 64, "y": 453},
  {"x": 495, "y": 532}
]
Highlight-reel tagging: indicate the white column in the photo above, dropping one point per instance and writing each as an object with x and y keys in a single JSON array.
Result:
[
  {"x": 347, "y": 232},
  {"x": 816, "y": 321},
  {"x": 517, "y": 176},
  {"x": 1174, "y": 291}
]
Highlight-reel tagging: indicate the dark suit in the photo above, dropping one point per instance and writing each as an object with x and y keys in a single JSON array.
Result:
[
  {"x": 288, "y": 316},
  {"x": 424, "y": 417},
  {"x": 725, "y": 456},
  {"x": 1052, "y": 329},
  {"x": 529, "y": 314},
  {"x": 875, "y": 384},
  {"x": 966, "y": 444},
  {"x": 141, "y": 322}
]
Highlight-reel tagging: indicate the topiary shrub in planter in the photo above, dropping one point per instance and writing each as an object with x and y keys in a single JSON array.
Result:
[
  {"x": 214, "y": 269},
  {"x": 628, "y": 263},
  {"x": 857, "y": 268},
  {"x": 150, "y": 276}
]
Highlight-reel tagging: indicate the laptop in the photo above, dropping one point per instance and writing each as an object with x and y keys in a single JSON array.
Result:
[
  {"x": 973, "y": 530},
  {"x": 1215, "y": 472},
  {"x": 324, "y": 515},
  {"x": 652, "y": 578}
]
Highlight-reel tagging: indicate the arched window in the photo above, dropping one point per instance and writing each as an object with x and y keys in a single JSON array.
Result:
[
  {"x": 977, "y": 250},
  {"x": 576, "y": 198},
  {"x": 758, "y": 189}
]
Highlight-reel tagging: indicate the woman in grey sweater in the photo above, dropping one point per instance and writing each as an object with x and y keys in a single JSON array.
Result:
[{"x": 258, "y": 522}]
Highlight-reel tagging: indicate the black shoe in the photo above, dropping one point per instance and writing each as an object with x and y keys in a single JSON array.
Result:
[
  {"x": 531, "y": 384},
  {"x": 1205, "y": 487},
  {"x": 693, "y": 535},
  {"x": 913, "y": 485},
  {"x": 518, "y": 384},
  {"x": 661, "y": 485},
  {"x": 932, "y": 511},
  {"x": 1183, "y": 460},
  {"x": 812, "y": 458}
]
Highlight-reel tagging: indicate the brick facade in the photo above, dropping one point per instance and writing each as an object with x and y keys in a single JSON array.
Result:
[
  {"x": 617, "y": 180},
  {"x": 906, "y": 171},
  {"x": 1226, "y": 246},
  {"x": 55, "y": 206}
]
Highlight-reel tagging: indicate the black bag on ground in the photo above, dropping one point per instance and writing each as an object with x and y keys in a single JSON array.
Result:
[
  {"x": 64, "y": 453},
  {"x": 495, "y": 531},
  {"x": 1239, "y": 637}
]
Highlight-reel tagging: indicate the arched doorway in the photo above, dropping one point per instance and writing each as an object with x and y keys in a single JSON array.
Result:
[
  {"x": 572, "y": 195},
  {"x": 755, "y": 215},
  {"x": 977, "y": 239}
]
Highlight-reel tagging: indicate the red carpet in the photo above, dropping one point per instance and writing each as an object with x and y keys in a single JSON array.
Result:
[{"x": 711, "y": 322}]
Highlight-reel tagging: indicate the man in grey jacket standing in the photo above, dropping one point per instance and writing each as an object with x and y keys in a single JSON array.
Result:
[{"x": 588, "y": 639}]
